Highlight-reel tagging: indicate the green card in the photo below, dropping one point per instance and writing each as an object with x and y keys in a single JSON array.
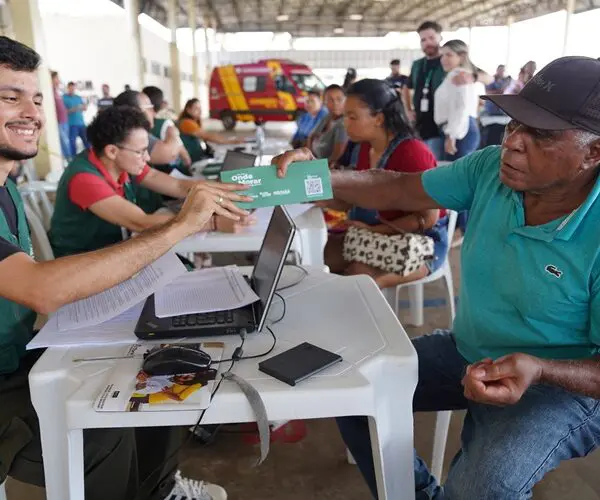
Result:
[{"x": 305, "y": 181}]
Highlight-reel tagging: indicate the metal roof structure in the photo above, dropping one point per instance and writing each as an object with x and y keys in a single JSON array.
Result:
[{"x": 354, "y": 17}]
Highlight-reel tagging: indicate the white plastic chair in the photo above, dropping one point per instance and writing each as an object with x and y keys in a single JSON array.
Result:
[
  {"x": 415, "y": 294},
  {"x": 37, "y": 199},
  {"x": 41, "y": 244}
]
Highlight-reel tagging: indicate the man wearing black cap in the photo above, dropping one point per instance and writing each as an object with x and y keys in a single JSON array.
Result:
[{"x": 523, "y": 355}]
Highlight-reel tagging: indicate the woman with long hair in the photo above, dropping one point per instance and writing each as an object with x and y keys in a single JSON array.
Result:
[
  {"x": 190, "y": 124},
  {"x": 456, "y": 106},
  {"x": 374, "y": 118}
]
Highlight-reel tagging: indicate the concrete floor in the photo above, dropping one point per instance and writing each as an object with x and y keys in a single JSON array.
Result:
[{"x": 316, "y": 468}]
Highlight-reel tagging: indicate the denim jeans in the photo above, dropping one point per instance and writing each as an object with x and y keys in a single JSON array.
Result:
[
  {"x": 468, "y": 144},
  {"x": 504, "y": 450},
  {"x": 78, "y": 131},
  {"x": 65, "y": 146},
  {"x": 436, "y": 145}
]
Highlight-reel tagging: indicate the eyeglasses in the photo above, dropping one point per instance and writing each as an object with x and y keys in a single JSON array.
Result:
[
  {"x": 535, "y": 133},
  {"x": 141, "y": 153}
]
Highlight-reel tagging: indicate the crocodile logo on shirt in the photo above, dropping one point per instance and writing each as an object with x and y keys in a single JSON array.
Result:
[{"x": 554, "y": 271}]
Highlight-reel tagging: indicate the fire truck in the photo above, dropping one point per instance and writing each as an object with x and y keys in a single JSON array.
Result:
[{"x": 267, "y": 90}]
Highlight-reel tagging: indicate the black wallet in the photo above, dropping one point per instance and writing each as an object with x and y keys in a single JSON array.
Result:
[{"x": 298, "y": 363}]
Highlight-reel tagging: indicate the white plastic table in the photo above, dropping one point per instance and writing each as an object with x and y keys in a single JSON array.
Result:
[
  {"x": 308, "y": 244},
  {"x": 347, "y": 315}
]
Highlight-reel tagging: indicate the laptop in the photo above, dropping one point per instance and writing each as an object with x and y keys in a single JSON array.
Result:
[
  {"x": 235, "y": 160},
  {"x": 232, "y": 161},
  {"x": 265, "y": 277}
]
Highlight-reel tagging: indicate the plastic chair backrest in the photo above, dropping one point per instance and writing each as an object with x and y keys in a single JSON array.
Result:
[
  {"x": 39, "y": 201},
  {"x": 29, "y": 171},
  {"x": 452, "y": 218},
  {"x": 39, "y": 237}
]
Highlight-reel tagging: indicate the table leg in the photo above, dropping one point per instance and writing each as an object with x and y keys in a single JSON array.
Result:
[
  {"x": 48, "y": 395},
  {"x": 391, "y": 431},
  {"x": 76, "y": 469}
]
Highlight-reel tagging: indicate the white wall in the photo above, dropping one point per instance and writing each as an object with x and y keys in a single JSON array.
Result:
[{"x": 99, "y": 49}]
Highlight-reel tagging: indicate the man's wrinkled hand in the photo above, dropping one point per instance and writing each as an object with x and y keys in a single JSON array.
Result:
[
  {"x": 501, "y": 382},
  {"x": 283, "y": 161}
]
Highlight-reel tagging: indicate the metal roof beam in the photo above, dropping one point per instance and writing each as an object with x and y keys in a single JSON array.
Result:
[
  {"x": 238, "y": 14},
  {"x": 484, "y": 8},
  {"x": 215, "y": 14},
  {"x": 280, "y": 13},
  {"x": 408, "y": 10}
]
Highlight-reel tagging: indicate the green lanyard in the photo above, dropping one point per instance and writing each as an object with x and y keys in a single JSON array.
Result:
[{"x": 426, "y": 87}]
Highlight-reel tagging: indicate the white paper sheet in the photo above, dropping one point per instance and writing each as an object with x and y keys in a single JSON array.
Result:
[
  {"x": 206, "y": 290},
  {"x": 118, "y": 330},
  {"x": 106, "y": 305}
]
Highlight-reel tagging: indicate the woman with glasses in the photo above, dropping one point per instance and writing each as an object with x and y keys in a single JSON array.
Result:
[{"x": 97, "y": 201}]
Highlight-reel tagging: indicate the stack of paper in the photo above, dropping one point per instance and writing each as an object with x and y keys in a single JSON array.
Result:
[
  {"x": 110, "y": 316},
  {"x": 206, "y": 290}
]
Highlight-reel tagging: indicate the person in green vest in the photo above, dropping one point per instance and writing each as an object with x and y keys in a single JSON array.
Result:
[
  {"x": 96, "y": 197},
  {"x": 162, "y": 128},
  {"x": 119, "y": 464},
  {"x": 194, "y": 136},
  {"x": 166, "y": 149}
]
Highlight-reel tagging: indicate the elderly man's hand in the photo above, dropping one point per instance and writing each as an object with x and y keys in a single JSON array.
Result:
[
  {"x": 501, "y": 382},
  {"x": 283, "y": 161}
]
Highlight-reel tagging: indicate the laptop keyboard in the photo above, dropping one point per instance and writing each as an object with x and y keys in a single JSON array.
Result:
[{"x": 205, "y": 319}]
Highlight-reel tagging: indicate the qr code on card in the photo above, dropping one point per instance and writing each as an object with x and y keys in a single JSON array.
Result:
[{"x": 313, "y": 187}]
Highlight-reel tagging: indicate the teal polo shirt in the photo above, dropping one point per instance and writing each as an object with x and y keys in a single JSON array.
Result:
[{"x": 530, "y": 289}]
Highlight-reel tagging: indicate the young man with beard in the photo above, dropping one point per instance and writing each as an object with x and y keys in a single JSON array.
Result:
[{"x": 120, "y": 464}]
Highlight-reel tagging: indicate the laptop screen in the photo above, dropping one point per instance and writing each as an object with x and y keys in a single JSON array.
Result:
[
  {"x": 235, "y": 160},
  {"x": 271, "y": 258}
]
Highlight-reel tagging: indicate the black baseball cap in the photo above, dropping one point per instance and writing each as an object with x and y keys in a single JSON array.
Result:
[{"x": 564, "y": 95}]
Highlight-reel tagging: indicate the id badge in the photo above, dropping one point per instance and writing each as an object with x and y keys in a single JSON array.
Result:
[{"x": 424, "y": 105}]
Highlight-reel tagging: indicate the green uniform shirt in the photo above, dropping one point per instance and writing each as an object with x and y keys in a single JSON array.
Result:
[
  {"x": 16, "y": 321},
  {"x": 74, "y": 230}
]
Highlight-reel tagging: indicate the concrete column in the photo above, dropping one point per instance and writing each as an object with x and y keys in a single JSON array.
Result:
[
  {"x": 132, "y": 8},
  {"x": 27, "y": 29},
  {"x": 195, "y": 76},
  {"x": 6, "y": 28},
  {"x": 570, "y": 8},
  {"x": 509, "y": 23},
  {"x": 175, "y": 71}
]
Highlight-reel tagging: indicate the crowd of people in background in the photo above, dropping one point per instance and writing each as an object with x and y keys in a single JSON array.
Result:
[{"x": 439, "y": 103}]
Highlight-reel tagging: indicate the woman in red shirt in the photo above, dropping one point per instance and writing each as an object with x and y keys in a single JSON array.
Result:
[{"x": 375, "y": 118}]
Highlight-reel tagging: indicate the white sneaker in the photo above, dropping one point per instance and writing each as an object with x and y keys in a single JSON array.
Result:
[{"x": 190, "y": 489}]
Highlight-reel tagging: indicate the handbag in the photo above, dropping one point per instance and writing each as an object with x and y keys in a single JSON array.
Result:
[{"x": 401, "y": 254}]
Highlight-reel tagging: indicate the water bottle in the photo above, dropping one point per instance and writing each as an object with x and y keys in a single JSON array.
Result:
[{"x": 260, "y": 138}]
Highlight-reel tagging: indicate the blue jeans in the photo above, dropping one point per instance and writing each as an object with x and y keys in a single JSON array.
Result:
[
  {"x": 77, "y": 131},
  {"x": 436, "y": 145},
  {"x": 468, "y": 144},
  {"x": 505, "y": 450},
  {"x": 65, "y": 146}
]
